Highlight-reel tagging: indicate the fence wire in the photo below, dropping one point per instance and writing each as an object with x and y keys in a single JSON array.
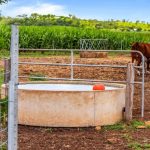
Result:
[
  {"x": 103, "y": 44},
  {"x": 3, "y": 100},
  {"x": 94, "y": 44}
]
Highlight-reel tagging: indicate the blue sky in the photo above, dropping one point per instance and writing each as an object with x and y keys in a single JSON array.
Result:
[{"x": 131, "y": 10}]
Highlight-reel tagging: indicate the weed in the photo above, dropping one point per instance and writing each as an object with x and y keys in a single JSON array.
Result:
[
  {"x": 135, "y": 146},
  {"x": 37, "y": 77},
  {"x": 127, "y": 137},
  {"x": 118, "y": 126},
  {"x": 4, "y": 147},
  {"x": 145, "y": 146},
  {"x": 138, "y": 146},
  {"x": 50, "y": 130},
  {"x": 1, "y": 76},
  {"x": 3, "y": 111},
  {"x": 136, "y": 123}
]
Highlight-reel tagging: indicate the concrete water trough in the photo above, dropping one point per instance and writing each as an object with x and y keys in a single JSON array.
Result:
[{"x": 69, "y": 104}]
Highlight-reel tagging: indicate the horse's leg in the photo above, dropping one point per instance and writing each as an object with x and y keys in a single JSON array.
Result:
[
  {"x": 138, "y": 64},
  {"x": 137, "y": 69}
]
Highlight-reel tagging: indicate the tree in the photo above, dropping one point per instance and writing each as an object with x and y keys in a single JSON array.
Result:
[{"x": 3, "y": 1}]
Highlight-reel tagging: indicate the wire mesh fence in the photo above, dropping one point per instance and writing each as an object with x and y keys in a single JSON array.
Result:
[
  {"x": 103, "y": 44},
  {"x": 94, "y": 44},
  {"x": 3, "y": 99}
]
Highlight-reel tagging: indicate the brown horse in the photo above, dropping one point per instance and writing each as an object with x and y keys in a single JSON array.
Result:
[{"x": 144, "y": 48}]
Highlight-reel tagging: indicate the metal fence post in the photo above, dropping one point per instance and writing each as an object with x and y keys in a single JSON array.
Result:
[
  {"x": 143, "y": 84},
  {"x": 72, "y": 65},
  {"x": 6, "y": 70},
  {"x": 13, "y": 84}
]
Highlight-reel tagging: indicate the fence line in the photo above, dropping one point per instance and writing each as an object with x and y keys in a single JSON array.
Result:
[
  {"x": 3, "y": 106},
  {"x": 72, "y": 64},
  {"x": 13, "y": 84}
]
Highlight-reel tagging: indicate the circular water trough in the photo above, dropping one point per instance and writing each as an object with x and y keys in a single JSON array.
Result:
[{"x": 65, "y": 104}]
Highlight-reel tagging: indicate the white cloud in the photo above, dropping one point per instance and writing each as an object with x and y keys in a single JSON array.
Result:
[{"x": 12, "y": 9}]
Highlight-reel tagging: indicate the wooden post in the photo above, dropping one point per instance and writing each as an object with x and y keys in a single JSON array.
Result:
[
  {"x": 6, "y": 75},
  {"x": 129, "y": 92},
  {"x": 6, "y": 70}
]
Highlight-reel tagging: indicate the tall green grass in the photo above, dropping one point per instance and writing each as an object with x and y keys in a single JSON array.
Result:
[
  {"x": 3, "y": 102},
  {"x": 68, "y": 37},
  {"x": 5, "y": 33}
]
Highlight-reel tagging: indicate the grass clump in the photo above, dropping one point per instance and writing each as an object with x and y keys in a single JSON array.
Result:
[
  {"x": 138, "y": 146},
  {"x": 118, "y": 126},
  {"x": 3, "y": 111},
  {"x": 146, "y": 146},
  {"x": 135, "y": 146},
  {"x": 4, "y": 147},
  {"x": 137, "y": 123},
  {"x": 37, "y": 77}
]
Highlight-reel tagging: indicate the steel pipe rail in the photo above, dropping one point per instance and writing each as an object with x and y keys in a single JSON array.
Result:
[
  {"x": 83, "y": 65},
  {"x": 108, "y": 81}
]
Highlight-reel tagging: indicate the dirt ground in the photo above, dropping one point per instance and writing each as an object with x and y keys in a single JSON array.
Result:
[
  {"x": 38, "y": 138},
  {"x": 35, "y": 138}
]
